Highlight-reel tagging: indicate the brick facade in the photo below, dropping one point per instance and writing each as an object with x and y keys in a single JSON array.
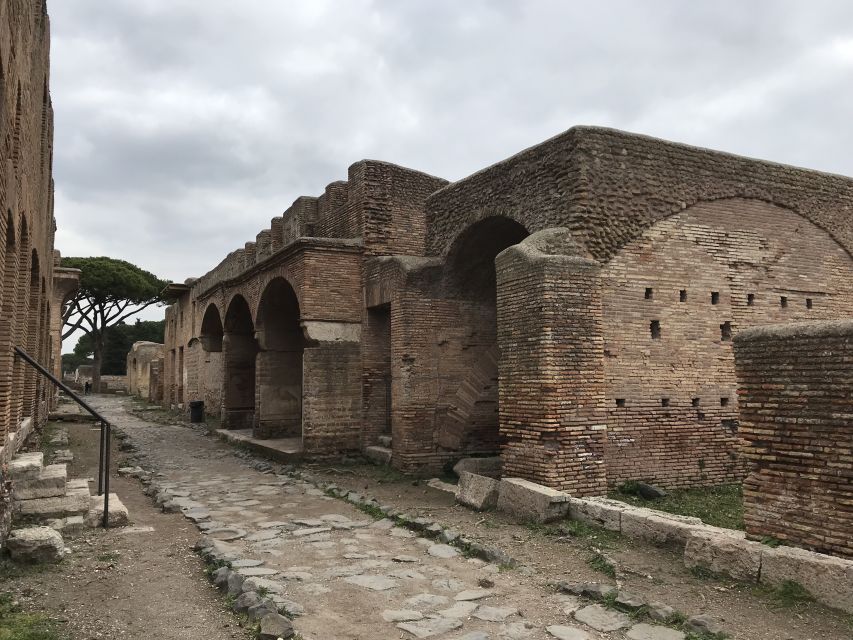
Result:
[
  {"x": 796, "y": 412},
  {"x": 572, "y": 307},
  {"x": 29, "y": 313}
]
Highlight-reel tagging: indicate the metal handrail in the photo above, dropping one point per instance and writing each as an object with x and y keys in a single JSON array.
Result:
[{"x": 106, "y": 431}]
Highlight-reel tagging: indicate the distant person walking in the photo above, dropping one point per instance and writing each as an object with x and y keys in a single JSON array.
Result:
[{"x": 87, "y": 387}]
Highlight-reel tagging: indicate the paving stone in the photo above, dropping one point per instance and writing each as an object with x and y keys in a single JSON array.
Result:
[
  {"x": 401, "y": 615},
  {"x": 645, "y": 631},
  {"x": 266, "y": 534},
  {"x": 374, "y": 583},
  {"x": 494, "y": 614},
  {"x": 703, "y": 624},
  {"x": 226, "y": 534},
  {"x": 299, "y": 533},
  {"x": 405, "y": 558},
  {"x": 442, "y": 551},
  {"x": 399, "y": 532},
  {"x": 474, "y": 635},
  {"x": 408, "y": 574},
  {"x": 246, "y": 562},
  {"x": 473, "y": 594},
  {"x": 459, "y": 610},
  {"x": 448, "y": 584},
  {"x": 310, "y": 522},
  {"x": 426, "y": 601},
  {"x": 275, "y": 627},
  {"x": 431, "y": 627},
  {"x": 562, "y": 632},
  {"x": 516, "y": 630},
  {"x": 256, "y": 571},
  {"x": 601, "y": 618}
]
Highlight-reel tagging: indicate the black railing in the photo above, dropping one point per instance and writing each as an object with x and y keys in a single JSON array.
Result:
[{"x": 106, "y": 432}]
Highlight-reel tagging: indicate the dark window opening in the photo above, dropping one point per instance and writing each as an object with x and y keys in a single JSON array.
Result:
[
  {"x": 726, "y": 331},
  {"x": 750, "y": 299},
  {"x": 809, "y": 303},
  {"x": 682, "y": 295},
  {"x": 783, "y": 301},
  {"x": 649, "y": 293},
  {"x": 724, "y": 402},
  {"x": 694, "y": 402},
  {"x": 715, "y": 297},
  {"x": 664, "y": 402},
  {"x": 620, "y": 402},
  {"x": 654, "y": 327}
]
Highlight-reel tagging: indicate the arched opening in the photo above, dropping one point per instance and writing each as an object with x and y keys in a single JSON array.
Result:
[
  {"x": 211, "y": 330},
  {"x": 279, "y": 363},
  {"x": 239, "y": 349},
  {"x": 8, "y": 313},
  {"x": 471, "y": 422},
  {"x": 19, "y": 331}
]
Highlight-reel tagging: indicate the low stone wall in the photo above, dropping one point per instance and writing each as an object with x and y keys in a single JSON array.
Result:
[
  {"x": 113, "y": 384},
  {"x": 796, "y": 417}
]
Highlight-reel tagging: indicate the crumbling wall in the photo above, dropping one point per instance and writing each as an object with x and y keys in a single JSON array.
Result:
[
  {"x": 796, "y": 416},
  {"x": 139, "y": 360}
]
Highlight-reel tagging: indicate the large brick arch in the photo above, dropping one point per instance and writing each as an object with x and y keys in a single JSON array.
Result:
[{"x": 700, "y": 276}]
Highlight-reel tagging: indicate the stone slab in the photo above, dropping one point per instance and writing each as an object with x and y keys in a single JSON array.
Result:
[
  {"x": 25, "y": 466},
  {"x": 35, "y": 545},
  {"x": 49, "y": 483},
  {"x": 601, "y": 618},
  {"x": 724, "y": 551},
  {"x": 476, "y": 491},
  {"x": 827, "y": 578},
  {"x": 658, "y": 527},
  {"x": 528, "y": 501},
  {"x": 645, "y": 631},
  {"x": 562, "y": 632},
  {"x": 602, "y": 512},
  {"x": 118, "y": 515},
  {"x": 71, "y": 504}
]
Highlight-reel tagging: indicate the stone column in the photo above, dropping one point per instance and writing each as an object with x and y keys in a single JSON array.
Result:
[
  {"x": 552, "y": 411},
  {"x": 65, "y": 284}
]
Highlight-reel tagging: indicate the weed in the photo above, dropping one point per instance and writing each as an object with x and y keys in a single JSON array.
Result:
[
  {"x": 18, "y": 625},
  {"x": 720, "y": 506},
  {"x": 263, "y": 592},
  {"x": 772, "y": 542},
  {"x": 372, "y": 510},
  {"x": 602, "y": 565},
  {"x": 676, "y": 619},
  {"x": 787, "y": 594},
  {"x": 109, "y": 556}
]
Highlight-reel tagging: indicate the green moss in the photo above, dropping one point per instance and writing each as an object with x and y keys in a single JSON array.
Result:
[
  {"x": 602, "y": 565},
  {"x": 18, "y": 625},
  {"x": 720, "y": 506}
]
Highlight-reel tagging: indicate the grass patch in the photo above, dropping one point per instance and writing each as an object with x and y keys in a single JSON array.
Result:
[
  {"x": 720, "y": 506},
  {"x": 602, "y": 565},
  {"x": 18, "y": 625},
  {"x": 787, "y": 595}
]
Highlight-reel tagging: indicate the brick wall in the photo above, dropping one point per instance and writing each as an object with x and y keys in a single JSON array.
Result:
[
  {"x": 26, "y": 217},
  {"x": 796, "y": 414},
  {"x": 703, "y": 275}
]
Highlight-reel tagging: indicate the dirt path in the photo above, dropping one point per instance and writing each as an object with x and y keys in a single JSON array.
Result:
[{"x": 139, "y": 582}]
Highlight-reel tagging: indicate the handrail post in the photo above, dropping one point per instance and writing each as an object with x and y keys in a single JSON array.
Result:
[{"x": 107, "y": 476}]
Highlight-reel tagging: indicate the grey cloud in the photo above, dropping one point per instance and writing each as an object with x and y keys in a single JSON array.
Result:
[{"x": 184, "y": 126}]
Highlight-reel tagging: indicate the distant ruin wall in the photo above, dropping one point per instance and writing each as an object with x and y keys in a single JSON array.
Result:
[{"x": 796, "y": 413}]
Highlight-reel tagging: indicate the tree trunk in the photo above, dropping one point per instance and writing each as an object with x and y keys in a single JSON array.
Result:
[{"x": 97, "y": 356}]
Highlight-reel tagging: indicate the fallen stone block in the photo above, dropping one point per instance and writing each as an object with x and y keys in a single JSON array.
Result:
[
  {"x": 72, "y": 526},
  {"x": 35, "y": 545},
  {"x": 62, "y": 456},
  {"x": 378, "y": 455},
  {"x": 602, "y": 512},
  {"x": 49, "y": 483},
  {"x": 827, "y": 578},
  {"x": 724, "y": 551},
  {"x": 26, "y": 466},
  {"x": 527, "y": 500},
  {"x": 657, "y": 527},
  {"x": 490, "y": 467},
  {"x": 118, "y": 516},
  {"x": 476, "y": 491}
]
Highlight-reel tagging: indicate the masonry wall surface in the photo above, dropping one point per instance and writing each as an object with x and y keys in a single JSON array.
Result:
[
  {"x": 796, "y": 413},
  {"x": 28, "y": 317}
]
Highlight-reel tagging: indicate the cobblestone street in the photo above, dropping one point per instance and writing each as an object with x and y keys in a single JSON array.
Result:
[{"x": 340, "y": 573}]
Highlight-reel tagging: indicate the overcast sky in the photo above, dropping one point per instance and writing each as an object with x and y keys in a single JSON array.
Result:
[{"x": 184, "y": 126}]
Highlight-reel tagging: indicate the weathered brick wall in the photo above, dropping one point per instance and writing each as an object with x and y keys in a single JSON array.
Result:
[
  {"x": 551, "y": 369},
  {"x": 703, "y": 275},
  {"x": 26, "y": 221},
  {"x": 139, "y": 360},
  {"x": 796, "y": 415},
  {"x": 609, "y": 186}
]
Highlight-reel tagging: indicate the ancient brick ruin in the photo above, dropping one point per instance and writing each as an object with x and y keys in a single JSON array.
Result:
[
  {"x": 796, "y": 409},
  {"x": 571, "y": 308},
  {"x": 32, "y": 286}
]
